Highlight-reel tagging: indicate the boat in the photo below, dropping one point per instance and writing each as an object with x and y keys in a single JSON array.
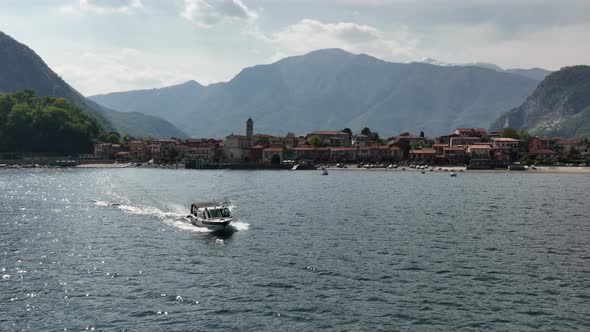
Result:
[
  {"x": 324, "y": 171},
  {"x": 453, "y": 174},
  {"x": 294, "y": 168},
  {"x": 211, "y": 215}
]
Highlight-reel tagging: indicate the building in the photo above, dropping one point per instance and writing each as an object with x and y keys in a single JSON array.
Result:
[
  {"x": 505, "y": 142},
  {"x": 360, "y": 140},
  {"x": 331, "y": 138},
  {"x": 463, "y": 140},
  {"x": 455, "y": 155},
  {"x": 236, "y": 148},
  {"x": 424, "y": 156},
  {"x": 471, "y": 132},
  {"x": 269, "y": 154},
  {"x": 540, "y": 149},
  {"x": 479, "y": 152},
  {"x": 139, "y": 151},
  {"x": 311, "y": 153},
  {"x": 106, "y": 151}
]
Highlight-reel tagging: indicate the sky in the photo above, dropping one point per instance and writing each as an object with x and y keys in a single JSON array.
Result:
[{"x": 101, "y": 46}]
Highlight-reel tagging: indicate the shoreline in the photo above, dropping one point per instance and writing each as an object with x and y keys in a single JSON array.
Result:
[{"x": 352, "y": 168}]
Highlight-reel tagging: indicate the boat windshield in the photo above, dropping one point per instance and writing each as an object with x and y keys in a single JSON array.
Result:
[{"x": 218, "y": 213}]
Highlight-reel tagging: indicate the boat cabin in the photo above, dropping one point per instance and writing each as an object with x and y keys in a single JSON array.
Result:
[{"x": 209, "y": 211}]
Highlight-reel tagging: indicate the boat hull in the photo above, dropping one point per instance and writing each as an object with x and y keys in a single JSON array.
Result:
[{"x": 213, "y": 225}]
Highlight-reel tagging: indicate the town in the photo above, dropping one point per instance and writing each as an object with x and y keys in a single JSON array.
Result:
[{"x": 474, "y": 147}]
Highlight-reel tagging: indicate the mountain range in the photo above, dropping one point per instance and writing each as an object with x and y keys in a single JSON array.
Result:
[
  {"x": 334, "y": 89},
  {"x": 21, "y": 68},
  {"x": 559, "y": 106},
  {"x": 534, "y": 73}
]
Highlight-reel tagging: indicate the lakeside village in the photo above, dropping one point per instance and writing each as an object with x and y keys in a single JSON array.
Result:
[{"x": 472, "y": 147}]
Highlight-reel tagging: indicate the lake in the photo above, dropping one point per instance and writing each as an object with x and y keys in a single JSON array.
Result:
[{"x": 109, "y": 249}]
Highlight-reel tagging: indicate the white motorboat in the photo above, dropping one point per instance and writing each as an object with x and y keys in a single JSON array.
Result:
[
  {"x": 212, "y": 215},
  {"x": 453, "y": 174},
  {"x": 324, "y": 171}
]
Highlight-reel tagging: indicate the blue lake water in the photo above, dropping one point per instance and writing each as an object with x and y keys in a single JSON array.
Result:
[{"x": 355, "y": 250}]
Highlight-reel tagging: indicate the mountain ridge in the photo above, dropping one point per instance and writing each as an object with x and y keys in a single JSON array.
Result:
[
  {"x": 559, "y": 106},
  {"x": 335, "y": 89},
  {"x": 21, "y": 68}
]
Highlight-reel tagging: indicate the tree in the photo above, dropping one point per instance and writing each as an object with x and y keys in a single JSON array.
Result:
[
  {"x": 366, "y": 131},
  {"x": 509, "y": 133},
  {"x": 315, "y": 141},
  {"x": 347, "y": 130},
  {"x": 275, "y": 159},
  {"x": 421, "y": 134},
  {"x": 44, "y": 124},
  {"x": 290, "y": 134},
  {"x": 113, "y": 137},
  {"x": 374, "y": 137},
  {"x": 264, "y": 141},
  {"x": 416, "y": 144}
]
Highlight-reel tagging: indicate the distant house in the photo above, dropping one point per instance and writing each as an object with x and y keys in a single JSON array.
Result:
[
  {"x": 311, "y": 153},
  {"x": 269, "y": 153},
  {"x": 106, "y": 151},
  {"x": 360, "y": 140},
  {"x": 139, "y": 151},
  {"x": 343, "y": 154},
  {"x": 331, "y": 138},
  {"x": 572, "y": 146},
  {"x": 423, "y": 156},
  {"x": 472, "y": 132},
  {"x": 454, "y": 155},
  {"x": 540, "y": 148},
  {"x": 479, "y": 152},
  {"x": 464, "y": 140},
  {"x": 505, "y": 142}
]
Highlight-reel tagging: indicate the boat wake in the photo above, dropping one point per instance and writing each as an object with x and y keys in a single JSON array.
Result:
[{"x": 176, "y": 217}]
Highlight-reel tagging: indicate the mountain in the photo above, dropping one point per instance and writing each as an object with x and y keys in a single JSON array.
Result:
[
  {"x": 559, "y": 106},
  {"x": 535, "y": 73},
  {"x": 166, "y": 102},
  {"x": 21, "y": 68},
  {"x": 333, "y": 89}
]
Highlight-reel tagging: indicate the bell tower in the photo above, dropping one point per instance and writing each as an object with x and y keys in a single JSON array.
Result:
[{"x": 249, "y": 128}]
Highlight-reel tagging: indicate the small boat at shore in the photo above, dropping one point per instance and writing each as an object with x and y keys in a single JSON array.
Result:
[
  {"x": 211, "y": 215},
  {"x": 453, "y": 174},
  {"x": 324, "y": 171}
]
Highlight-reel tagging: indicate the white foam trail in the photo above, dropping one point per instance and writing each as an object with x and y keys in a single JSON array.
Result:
[
  {"x": 176, "y": 217},
  {"x": 240, "y": 226},
  {"x": 185, "y": 225}
]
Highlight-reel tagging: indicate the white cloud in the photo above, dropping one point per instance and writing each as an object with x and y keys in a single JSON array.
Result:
[
  {"x": 103, "y": 7},
  {"x": 107, "y": 70},
  {"x": 207, "y": 13},
  {"x": 309, "y": 34}
]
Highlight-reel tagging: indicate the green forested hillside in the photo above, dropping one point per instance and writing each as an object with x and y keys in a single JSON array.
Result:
[
  {"x": 21, "y": 68},
  {"x": 44, "y": 124}
]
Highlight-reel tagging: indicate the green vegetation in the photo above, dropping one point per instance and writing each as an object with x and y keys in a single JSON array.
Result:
[
  {"x": 315, "y": 141},
  {"x": 44, "y": 124}
]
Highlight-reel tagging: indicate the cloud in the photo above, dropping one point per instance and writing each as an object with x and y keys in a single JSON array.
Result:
[
  {"x": 206, "y": 13},
  {"x": 103, "y": 6},
  {"x": 107, "y": 70},
  {"x": 309, "y": 34}
]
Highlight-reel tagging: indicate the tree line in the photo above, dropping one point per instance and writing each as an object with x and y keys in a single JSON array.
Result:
[{"x": 29, "y": 123}]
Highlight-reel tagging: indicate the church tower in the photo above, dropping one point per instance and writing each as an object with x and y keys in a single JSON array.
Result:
[{"x": 249, "y": 128}]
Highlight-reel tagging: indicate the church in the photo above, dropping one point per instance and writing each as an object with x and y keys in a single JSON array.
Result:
[{"x": 237, "y": 147}]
